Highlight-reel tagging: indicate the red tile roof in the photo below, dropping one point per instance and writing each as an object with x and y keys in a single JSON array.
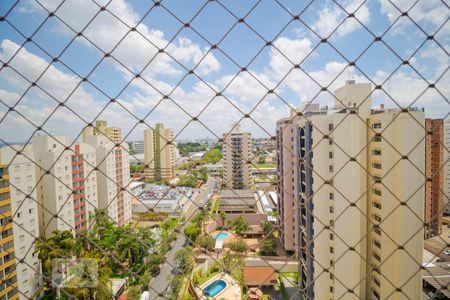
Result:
[{"x": 257, "y": 276}]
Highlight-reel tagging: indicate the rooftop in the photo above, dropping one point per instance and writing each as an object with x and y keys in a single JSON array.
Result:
[{"x": 257, "y": 276}]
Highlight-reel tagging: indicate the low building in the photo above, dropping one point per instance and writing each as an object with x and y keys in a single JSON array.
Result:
[
  {"x": 237, "y": 201},
  {"x": 197, "y": 155},
  {"x": 159, "y": 198},
  {"x": 259, "y": 276},
  {"x": 215, "y": 170},
  {"x": 168, "y": 206}
]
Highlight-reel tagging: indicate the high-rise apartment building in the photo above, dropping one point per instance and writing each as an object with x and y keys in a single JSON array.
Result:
[
  {"x": 114, "y": 133},
  {"x": 237, "y": 158},
  {"x": 101, "y": 128},
  {"x": 447, "y": 166},
  {"x": 54, "y": 183},
  {"x": 434, "y": 198},
  {"x": 84, "y": 184},
  {"x": 8, "y": 273},
  {"x": 286, "y": 156},
  {"x": 66, "y": 183},
  {"x": 357, "y": 197},
  {"x": 113, "y": 177},
  {"x": 159, "y": 153},
  {"x": 21, "y": 269}
]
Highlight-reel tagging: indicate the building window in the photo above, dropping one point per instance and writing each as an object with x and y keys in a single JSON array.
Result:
[
  {"x": 331, "y": 196},
  {"x": 331, "y": 209},
  {"x": 376, "y": 218},
  {"x": 376, "y": 204},
  {"x": 330, "y": 127},
  {"x": 376, "y": 166},
  {"x": 330, "y": 168},
  {"x": 376, "y": 192},
  {"x": 376, "y": 125},
  {"x": 377, "y": 138},
  {"x": 377, "y": 244},
  {"x": 376, "y": 152}
]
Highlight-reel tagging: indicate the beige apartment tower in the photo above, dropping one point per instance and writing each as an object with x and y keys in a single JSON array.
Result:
[
  {"x": 114, "y": 134},
  {"x": 159, "y": 153},
  {"x": 358, "y": 197},
  {"x": 237, "y": 158}
]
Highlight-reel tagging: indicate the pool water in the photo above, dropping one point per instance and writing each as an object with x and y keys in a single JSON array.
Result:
[
  {"x": 221, "y": 236},
  {"x": 214, "y": 288}
]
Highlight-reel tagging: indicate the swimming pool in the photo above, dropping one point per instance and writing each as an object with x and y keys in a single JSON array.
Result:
[
  {"x": 214, "y": 288},
  {"x": 221, "y": 236}
]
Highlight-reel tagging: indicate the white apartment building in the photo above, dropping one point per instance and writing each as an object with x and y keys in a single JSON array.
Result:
[
  {"x": 237, "y": 156},
  {"x": 24, "y": 213},
  {"x": 113, "y": 177},
  {"x": 349, "y": 184},
  {"x": 54, "y": 183}
]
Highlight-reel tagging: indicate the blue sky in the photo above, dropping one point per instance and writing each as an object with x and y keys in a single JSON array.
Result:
[{"x": 211, "y": 22}]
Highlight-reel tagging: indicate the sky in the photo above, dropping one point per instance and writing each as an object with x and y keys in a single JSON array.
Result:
[{"x": 234, "y": 65}]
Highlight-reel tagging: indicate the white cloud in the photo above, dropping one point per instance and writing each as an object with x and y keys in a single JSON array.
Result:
[
  {"x": 288, "y": 52},
  {"x": 430, "y": 10},
  {"x": 136, "y": 48},
  {"x": 331, "y": 16}
]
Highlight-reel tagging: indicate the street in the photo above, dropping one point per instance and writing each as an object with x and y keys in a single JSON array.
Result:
[{"x": 159, "y": 284}]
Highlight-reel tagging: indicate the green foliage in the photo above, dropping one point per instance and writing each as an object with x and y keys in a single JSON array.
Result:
[
  {"x": 267, "y": 227},
  {"x": 131, "y": 150},
  {"x": 117, "y": 250},
  {"x": 137, "y": 168},
  {"x": 213, "y": 156},
  {"x": 262, "y": 159},
  {"x": 151, "y": 216},
  {"x": 264, "y": 165},
  {"x": 184, "y": 259},
  {"x": 188, "y": 181},
  {"x": 268, "y": 247},
  {"x": 133, "y": 293},
  {"x": 185, "y": 148},
  {"x": 239, "y": 246},
  {"x": 240, "y": 226},
  {"x": 192, "y": 231},
  {"x": 206, "y": 242}
]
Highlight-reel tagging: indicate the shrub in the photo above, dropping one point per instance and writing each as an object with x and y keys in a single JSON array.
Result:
[
  {"x": 238, "y": 246},
  {"x": 206, "y": 242}
]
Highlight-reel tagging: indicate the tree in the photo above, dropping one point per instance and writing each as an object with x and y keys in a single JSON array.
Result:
[
  {"x": 238, "y": 246},
  {"x": 223, "y": 216},
  {"x": 192, "y": 231},
  {"x": 267, "y": 227},
  {"x": 184, "y": 259},
  {"x": 268, "y": 247},
  {"x": 240, "y": 226},
  {"x": 133, "y": 293},
  {"x": 206, "y": 242}
]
